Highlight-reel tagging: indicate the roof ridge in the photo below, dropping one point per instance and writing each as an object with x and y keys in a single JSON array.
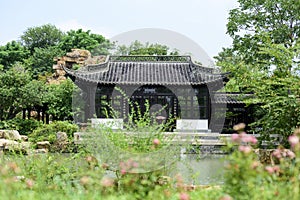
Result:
[{"x": 149, "y": 58}]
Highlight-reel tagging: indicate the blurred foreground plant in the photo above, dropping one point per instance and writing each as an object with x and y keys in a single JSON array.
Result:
[{"x": 247, "y": 178}]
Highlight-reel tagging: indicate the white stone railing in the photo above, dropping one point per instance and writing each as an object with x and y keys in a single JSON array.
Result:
[{"x": 198, "y": 125}]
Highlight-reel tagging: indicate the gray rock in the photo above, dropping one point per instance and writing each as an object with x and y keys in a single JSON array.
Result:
[
  {"x": 24, "y": 138},
  {"x": 41, "y": 151},
  {"x": 10, "y": 134},
  {"x": 43, "y": 145},
  {"x": 6, "y": 143},
  {"x": 11, "y": 145},
  {"x": 61, "y": 137}
]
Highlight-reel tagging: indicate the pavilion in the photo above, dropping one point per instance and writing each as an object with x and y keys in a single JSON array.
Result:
[{"x": 175, "y": 85}]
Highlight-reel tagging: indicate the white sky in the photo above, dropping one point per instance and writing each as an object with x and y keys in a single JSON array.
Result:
[{"x": 203, "y": 21}]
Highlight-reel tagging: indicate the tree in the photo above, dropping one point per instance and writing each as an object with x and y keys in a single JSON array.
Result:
[
  {"x": 255, "y": 23},
  {"x": 264, "y": 60},
  {"x": 59, "y": 100},
  {"x": 11, "y": 53},
  {"x": 137, "y": 48},
  {"x": 41, "y": 61},
  {"x": 17, "y": 92},
  {"x": 95, "y": 43},
  {"x": 41, "y": 37}
]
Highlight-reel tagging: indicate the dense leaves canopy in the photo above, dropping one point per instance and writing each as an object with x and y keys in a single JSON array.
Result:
[
  {"x": 264, "y": 60},
  {"x": 256, "y": 22},
  {"x": 80, "y": 39},
  {"x": 11, "y": 53},
  {"x": 137, "y": 48},
  {"x": 17, "y": 91},
  {"x": 41, "y": 37}
]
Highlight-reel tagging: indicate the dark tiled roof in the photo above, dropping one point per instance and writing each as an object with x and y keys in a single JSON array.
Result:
[
  {"x": 230, "y": 98},
  {"x": 148, "y": 70}
]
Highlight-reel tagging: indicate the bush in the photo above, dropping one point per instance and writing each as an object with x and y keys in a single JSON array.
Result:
[
  {"x": 24, "y": 126},
  {"x": 48, "y": 131},
  {"x": 248, "y": 178}
]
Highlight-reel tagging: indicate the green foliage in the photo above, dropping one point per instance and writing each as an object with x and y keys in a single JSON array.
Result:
[
  {"x": 249, "y": 23},
  {"x": 42, "y": 60},
  {"x": 17, "y": 91},
  {"x": 24, "y": 126},
  {"x": 247, "y": 178},
  {"x": 137, "y": 48},
  {"x": 76, "y": 67},
  {"x": 80, "y": 39},
  {"x": 47, "y": 132},
  {"x": 41, "y": 37},
  {"x": 264, "y": 60},
  {"x": 59, "y": 100},
  {"x": 279, "y": 98},
  {"x": 82, "y": 176},
  {"x": 11, "y": 53},
  {"x": 56, "y": 176}
]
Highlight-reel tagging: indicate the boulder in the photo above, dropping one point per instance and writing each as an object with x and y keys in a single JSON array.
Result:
[
  {"x": 41, "y": 151},
  {"x": 43, "y": 145},
  {"x": 14, "y": 146},
  {"x": 4, "y": 143},
  {"x": 78, "y": 137},
  {"x": 61, "y": 137},
  {"x": 55, "y": 67},
  {"x": 24, "y": 138},
  {"x": 10, "y": 135}
]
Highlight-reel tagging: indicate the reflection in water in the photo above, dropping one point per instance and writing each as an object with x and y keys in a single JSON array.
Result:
[{"x": 201, "y": 170}]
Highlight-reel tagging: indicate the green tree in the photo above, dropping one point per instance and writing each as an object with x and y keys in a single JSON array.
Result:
[
  {"x": 263, "y": 59},
  {"x": 95, "y": 43},
  {"x": 59, "y": 100},
  {"x": 41, "y": 61},
  {"x": 11, "y": 53},
  {"x": 17, "y": 91},
  {"x": 42, "y": 42},
  {"x": 41, "y": 37},
  {"x": 137, "y": 48},
  {"x": 255, "y": 23}
]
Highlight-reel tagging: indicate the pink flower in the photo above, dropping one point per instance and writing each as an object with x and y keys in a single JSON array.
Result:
[
  {"x": 276, "y": 168},
  {"x": 255, "y": 164},
  {"x": 291, "y": 154},
  {"x": 235, "y": 137},
  {"x": 123, "y": 171},
  {"x": 156, "y": 142},
  {"x": 29, "y": 183},
  {"x": 226, "y": 197},
  {"x": 253, "y": 140},
  {"x": 107, "y": 182},
  {"x": 184, "y": 196},
  {"x": 277, "y": 153},
  {"x": 246, "y": 139},
  {"x": 269, "y": 169},
  {"x": 293, "y": 140},
  {"x": 135, "y": 164},
  {"x": 243, "y": 134},
  {"x": 245, "y": 149}
]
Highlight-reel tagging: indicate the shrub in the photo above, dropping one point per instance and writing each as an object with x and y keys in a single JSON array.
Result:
[
  {"x": 24, "y": 126},
  {"x": 48, "y": 131},
  {"x": 247, "y": 178}
]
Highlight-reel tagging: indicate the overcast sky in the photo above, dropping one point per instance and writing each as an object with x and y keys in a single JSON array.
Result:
[{"x": 203, "y": 21}]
